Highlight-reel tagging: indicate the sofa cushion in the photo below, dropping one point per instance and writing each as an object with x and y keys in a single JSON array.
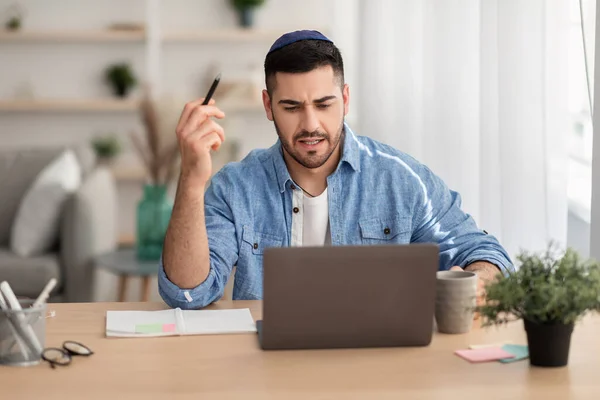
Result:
[
  {"x": 36, "y": 225},
  {"x": 28, "y": 276},
  {"x": 18, "y": 170}
]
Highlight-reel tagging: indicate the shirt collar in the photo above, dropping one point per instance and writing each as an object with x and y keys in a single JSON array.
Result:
[{"x": 350, "y": 155}]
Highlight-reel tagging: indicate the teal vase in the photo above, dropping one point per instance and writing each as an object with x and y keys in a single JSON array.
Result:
[{"x": 153, "y": 215}]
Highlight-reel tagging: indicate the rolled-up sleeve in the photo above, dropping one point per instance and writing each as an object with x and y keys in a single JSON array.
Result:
[
  {"x": 223, "y": 251},
  {"x": 439, "y": 219}
]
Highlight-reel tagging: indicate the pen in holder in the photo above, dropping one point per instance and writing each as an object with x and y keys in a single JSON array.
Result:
[{"x": 22, "y": 334}]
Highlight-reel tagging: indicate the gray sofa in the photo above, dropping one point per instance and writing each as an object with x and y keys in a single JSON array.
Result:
[{"x": 87, "y": 225}]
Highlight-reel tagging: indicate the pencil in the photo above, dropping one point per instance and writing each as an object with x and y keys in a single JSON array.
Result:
[{"x": 212, "y": 89}]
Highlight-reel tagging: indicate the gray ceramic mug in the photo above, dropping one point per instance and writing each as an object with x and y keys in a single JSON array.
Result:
[{"x": 455, "y": 300}]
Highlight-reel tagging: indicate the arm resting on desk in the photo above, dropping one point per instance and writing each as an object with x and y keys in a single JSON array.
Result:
[{"x": 222, "y": 251}]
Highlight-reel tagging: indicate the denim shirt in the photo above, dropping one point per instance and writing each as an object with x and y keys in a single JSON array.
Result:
[{"x": 377, "y": 195}]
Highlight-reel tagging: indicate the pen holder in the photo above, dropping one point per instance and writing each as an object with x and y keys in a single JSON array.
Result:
[{"x": 22, "y": 334}]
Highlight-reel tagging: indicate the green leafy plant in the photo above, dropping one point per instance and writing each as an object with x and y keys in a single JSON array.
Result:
[
  {"x": 16, "y": 13},
  {"x": 106, "y": 147},
  {"x": 242, "y": 4},
  {"x": 13, "y": 24},
  {"x": 122, "y": 78},
  {"x": 552, "y": 287}
]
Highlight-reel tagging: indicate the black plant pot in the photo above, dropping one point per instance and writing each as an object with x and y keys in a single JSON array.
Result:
[
  {"x": 246, "y": 15},
  {"x": 548, "y": 343},
  {"x": 121, "y": 90}
]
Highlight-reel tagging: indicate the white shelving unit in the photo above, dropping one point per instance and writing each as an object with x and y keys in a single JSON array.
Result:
[
  {"x": 153, "y": 64},
  {"x": 223, "y": 35},
  {"x": 93, "y": 36},
  {"x": 169, "y": 48},
  {"x": 61, "y": 52},
  {"x": 82, "y": 36},
  {"x": 134, "y": 173},
  {"x": 60, "y": 105},
  {"x": 101, "y": 106}
]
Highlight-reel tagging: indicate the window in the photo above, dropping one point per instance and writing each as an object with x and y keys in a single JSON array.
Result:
[{"x": 581, "y": 132}]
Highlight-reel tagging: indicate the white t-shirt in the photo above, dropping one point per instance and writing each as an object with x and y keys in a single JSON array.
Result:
[{"x": 310, "y": 224}]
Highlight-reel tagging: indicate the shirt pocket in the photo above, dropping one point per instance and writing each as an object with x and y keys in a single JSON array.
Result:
[
  {"x": 256, "y": 242},
  {"x": 385, "y": 230}
]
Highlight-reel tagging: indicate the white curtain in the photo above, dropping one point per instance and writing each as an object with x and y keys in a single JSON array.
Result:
[{"x": 476, "y": 90}]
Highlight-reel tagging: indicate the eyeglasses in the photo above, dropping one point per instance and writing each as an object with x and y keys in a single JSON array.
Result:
[{"x": 62, "y": 357}]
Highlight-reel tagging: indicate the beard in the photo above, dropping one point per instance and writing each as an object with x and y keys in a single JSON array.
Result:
[{"x": 311, "y": 159}]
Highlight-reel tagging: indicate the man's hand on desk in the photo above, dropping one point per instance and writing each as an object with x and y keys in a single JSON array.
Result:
[{"x": 486, "y": 272}]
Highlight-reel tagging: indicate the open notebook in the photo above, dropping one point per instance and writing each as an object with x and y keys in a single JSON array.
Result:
[{"x": 178, "y": 322}]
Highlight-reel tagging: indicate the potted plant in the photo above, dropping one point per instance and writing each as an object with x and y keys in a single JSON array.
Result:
[
  {"x": 106, "y": 147},
  {"x": 121, "y": 78},
  {"x": 550, "y": 291},
  {"x": 13, "y": 24},
  {"x": 16, "y": 14},
  {"x": 245, "y": 9}
]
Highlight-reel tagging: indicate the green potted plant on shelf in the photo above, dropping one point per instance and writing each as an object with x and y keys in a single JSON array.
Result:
[
  {"x": 550, "y": 291},
  {"x": 245, "y": 10},
  {"x": 160, "y": 161},
  {"x": 13, "y": 24},
  {"x": 106, "y": 147},
  {"x": 121, "y": 78},
  {"x": 16, "y": 14}
]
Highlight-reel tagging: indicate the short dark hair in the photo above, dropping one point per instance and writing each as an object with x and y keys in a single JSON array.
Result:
[{"x": 303, "y": 56}]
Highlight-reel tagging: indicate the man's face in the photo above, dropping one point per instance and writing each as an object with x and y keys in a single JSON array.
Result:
[{"x": 308, "y": 110}]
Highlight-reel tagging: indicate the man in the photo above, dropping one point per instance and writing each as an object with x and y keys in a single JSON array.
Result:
[{"x": 320, "y": 184}]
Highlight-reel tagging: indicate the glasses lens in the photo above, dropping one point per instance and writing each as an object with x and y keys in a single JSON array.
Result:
[
  {"x": 77, "y": 348},
  {"x": 56, "y": 356}
]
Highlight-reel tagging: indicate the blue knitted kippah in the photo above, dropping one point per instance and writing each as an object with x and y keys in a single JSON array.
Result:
[{"x": 292, "y": 37}]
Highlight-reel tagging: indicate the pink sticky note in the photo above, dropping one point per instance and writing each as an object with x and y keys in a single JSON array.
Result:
[
  {"x": 483, "y": 355},
  {"x": 168, "y": 328}
]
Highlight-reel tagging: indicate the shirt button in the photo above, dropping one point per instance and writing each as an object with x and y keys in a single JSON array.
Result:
[
  {"x": 386, "y": 231},
  {"x": 255, "y": 246},
  {"x": 292, "y": 187},
  {"x": 296, "y": 210}
]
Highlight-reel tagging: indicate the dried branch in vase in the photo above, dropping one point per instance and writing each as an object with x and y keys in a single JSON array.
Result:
[{"x": 160, "y": 160}]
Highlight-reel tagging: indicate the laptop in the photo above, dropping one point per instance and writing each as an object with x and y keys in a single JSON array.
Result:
[{"x": 348, "y": 296}]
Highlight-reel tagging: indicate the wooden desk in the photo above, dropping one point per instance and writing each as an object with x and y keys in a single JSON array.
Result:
[{"x": 210, "y": 367}]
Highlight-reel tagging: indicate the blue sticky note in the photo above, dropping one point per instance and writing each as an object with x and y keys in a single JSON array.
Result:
[{"x": 520, "y": 352}]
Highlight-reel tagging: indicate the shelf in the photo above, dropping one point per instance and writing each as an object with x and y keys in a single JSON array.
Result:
[
  {"x": 126, "y": 240},
  {"x": 50, "y": 105},
  {"x": 73, "y": 36},
  {"x": 108, "y": 35},
  {"x": 128, "y": 173},
  {"x": 107, "y": 105},
  {"x": 223, "y": 35}
]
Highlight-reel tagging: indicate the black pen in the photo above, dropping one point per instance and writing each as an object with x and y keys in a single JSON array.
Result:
[{"x": 212, "y": 89}]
